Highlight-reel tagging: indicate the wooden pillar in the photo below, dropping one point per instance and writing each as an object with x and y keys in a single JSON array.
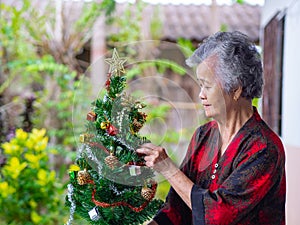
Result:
[{"x": 272, "y": 57}]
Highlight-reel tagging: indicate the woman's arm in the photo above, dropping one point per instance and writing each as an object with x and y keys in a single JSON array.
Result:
[{"x": 157, "y": 158}]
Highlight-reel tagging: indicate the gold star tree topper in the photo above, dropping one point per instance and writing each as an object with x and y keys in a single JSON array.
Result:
[{"x": 116, "y": 63}]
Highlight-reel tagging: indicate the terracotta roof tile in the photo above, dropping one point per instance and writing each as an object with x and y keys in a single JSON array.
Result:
[
  {"x": 193, "y": 21},
  {"x": 186, "y": 21}
]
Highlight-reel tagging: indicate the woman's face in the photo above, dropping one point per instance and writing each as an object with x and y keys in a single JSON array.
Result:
[{"x": 212, "y": 96}]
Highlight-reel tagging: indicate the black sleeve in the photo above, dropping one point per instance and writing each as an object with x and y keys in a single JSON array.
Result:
[{"x": 198, "y": 211}]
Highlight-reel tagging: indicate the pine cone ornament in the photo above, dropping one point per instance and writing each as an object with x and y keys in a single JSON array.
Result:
[
  {"x": 136, "y": 125},
  {"x": 143, "y": 115},
  {"x": 83, "y": 177},
  {"x": 147, "y": 193},
  {"x": 111, "y": 161}
]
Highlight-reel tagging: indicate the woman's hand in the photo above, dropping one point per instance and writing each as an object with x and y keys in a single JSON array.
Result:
[{"x": 155, "y": 157}]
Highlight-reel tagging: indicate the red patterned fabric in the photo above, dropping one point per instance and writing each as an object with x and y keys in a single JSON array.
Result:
[{"x": 246, "y": 185}]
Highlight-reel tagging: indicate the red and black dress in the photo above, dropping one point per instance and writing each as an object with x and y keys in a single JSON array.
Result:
[{"x": 246, "y": 185}]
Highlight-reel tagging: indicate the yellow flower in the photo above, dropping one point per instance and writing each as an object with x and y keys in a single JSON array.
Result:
[
  {"x": 14, "y": 167},
  {"x": 38, "y": 134},
  {"x": 11, "y": 149},
  {"x": 34, "y": 160},
  {"x": 45, "y": 177},
  {"x": 42, "y": 177},
  {"x": 6, "y": 190},
  {"x": 35, "y": 217},
  {"x": 30, "y": 143},
  {"x": 74, "y": 167},
  {"x": 41, "y": 145},
  {"x": 21, "y": 135},
  {"x": 52, "y": 176},
  {"x": 36, "y": 138}
]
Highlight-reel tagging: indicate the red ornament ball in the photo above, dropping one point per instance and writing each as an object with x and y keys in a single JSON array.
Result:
[{"x": 112, "y": 130}]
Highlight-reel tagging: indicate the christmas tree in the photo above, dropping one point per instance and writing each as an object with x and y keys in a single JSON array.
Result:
[{"x": 109, "y": 183}]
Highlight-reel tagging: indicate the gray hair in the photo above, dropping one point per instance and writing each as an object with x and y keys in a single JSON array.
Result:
[{"x": 238, "y": 62}]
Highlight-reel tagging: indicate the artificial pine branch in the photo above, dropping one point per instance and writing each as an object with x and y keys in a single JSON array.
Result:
[{"x": 112, "y": 182}]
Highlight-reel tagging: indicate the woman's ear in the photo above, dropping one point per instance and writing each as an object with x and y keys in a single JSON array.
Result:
[{"x": 237, "y": 93}]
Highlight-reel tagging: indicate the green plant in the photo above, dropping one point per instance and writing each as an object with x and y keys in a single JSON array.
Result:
[
  {"x": 186, "y": 46},
  {"x": 29, "y": 191},
  {"x": 35, "y": 63}
]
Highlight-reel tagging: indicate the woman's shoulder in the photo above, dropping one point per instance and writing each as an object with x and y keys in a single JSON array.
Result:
[
  {"x": 265, "y": 134},
  {"x": 257, "y": 137},
  {"x": 256, "y": 130}
]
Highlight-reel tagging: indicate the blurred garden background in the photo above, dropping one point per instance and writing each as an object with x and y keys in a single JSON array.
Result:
[{"x": 52, "y": 67}]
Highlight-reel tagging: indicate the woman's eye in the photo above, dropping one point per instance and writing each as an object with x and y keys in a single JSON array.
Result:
[{"x": 204, "y": 87}]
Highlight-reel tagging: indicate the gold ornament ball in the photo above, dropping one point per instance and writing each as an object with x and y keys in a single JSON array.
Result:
[
  {"x": 147, "y": 193},
  {"x": 104, "y": 125}
]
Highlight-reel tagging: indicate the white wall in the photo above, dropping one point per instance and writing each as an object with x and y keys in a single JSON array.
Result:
[
  {"x": 291, "y": 78},
  {"x": 291, "y": 109},
  {"x": 293, "y": 183},
  {"x": 291, "y": 98}
]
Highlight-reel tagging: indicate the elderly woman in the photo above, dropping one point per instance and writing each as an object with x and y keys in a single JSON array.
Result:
[{"x": 234, "y": 168}]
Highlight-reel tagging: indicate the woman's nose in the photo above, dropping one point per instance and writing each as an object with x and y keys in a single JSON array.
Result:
[{"x": 202, "y": 94}]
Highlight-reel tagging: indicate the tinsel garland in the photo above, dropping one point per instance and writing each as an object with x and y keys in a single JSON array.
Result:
[
  {"x": 73, "y": 204},
  {"x": 90, "y": 154},
  {"x": 122, "y": 142},
  {"x": 115, "y": 204},
  {"x": 98, "y": 145}
]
